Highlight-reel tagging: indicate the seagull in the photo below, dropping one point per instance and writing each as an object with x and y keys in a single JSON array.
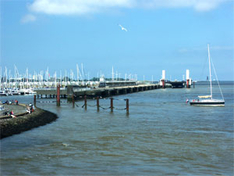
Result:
[{"x": 124, "y": 29}]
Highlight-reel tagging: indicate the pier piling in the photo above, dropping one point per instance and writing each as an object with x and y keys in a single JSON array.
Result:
[
  {"x": 111, "y": 104},
  {"x": 85, "y": 102},
  {"x": 35, "y": 100},
  {"x": 97, "y": 103},
  {"x": 127, "y": 106},
  {"x": 58, "y": 95}
]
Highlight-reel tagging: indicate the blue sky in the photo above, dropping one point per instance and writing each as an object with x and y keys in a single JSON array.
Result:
[{"x": 169, "y": 35}]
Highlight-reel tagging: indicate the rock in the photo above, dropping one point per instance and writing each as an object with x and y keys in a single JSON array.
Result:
[{"x": 26, "y": 122}]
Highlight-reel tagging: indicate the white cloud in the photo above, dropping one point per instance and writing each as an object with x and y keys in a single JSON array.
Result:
[
  {"x": 28, "y": 18},
  {"x": 70, "y": 7},
  {"x": 198, "y": 5},
  {"x": 81, "y": 7},
  {"x": 207, "y": 5}
]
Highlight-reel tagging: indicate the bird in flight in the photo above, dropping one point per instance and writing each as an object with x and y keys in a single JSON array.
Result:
[{"x": 124, "y": 29}]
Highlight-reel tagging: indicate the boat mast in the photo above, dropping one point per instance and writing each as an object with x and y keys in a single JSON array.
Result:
[{"x": 210, "y": 71}]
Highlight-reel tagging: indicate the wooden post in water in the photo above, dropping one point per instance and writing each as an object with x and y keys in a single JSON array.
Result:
[
  {"x": 97, "y": 103},
  {"x": 127, "y": 106},
  {"x": 73, "y": 101},
  {"x": 187, "y": 83},
  {"x": 85, "y": 102},
  {"x": 163, "y": 84},
  {"x": 58, "y": 95},
  {"x": 35, "y": 100},
  {"x": 111, "y": 104}
]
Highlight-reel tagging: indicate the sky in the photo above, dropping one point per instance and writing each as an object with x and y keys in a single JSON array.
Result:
[{"x": 170, "y": 35}]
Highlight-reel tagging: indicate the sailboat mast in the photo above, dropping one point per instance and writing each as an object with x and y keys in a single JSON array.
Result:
[{"x": 210, "y": 71}]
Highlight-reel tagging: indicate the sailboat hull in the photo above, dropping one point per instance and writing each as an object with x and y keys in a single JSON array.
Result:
[{"x": 208, "y": 103}]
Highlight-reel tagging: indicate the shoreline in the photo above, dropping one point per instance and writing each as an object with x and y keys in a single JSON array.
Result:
[{"x": 39, "y": 117}]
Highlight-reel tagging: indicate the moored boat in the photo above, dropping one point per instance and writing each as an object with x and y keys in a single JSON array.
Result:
[
  {"x": 15, "y": 92},
  {"x": 3, "y": 93},
  {"x": 208, "y": 100}
]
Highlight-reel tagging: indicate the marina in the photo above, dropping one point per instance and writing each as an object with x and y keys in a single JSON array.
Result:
[{"x": 46, "y": 86}]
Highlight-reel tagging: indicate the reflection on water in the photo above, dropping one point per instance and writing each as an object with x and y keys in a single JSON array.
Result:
[{"x": 162, "y": 135}]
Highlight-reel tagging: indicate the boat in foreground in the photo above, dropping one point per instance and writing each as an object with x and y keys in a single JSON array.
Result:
[{"x": 208, "y": 100}]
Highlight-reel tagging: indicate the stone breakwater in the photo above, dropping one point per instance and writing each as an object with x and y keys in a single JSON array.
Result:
[{"x": 25, "y": 122}]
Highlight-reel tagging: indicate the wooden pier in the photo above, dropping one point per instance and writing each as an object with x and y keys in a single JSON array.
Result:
[
  {"x": 79, "y": 93},
  {"x": 50, "y": 93}
]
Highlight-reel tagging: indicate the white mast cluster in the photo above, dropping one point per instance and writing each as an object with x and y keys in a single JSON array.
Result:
[
  {"x": 47, "y": 78},
  {"x": 42, "y": 78},
  {"x": 116, "y": 76}
]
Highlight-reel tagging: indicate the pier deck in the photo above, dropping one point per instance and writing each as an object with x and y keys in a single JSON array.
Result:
[{"x": 79, "y": 93}]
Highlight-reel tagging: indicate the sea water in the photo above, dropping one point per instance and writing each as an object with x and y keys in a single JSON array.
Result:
[{"x": 162, "y": 135}]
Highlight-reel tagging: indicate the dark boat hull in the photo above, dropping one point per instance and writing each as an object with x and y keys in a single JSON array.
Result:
[{"x": 207, "y": 103}]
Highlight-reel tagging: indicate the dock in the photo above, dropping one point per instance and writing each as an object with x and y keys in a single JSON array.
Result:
[{"x": 79, "y": 93}]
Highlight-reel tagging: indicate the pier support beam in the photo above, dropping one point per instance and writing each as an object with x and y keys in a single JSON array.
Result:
[
  {"x": 163, "y": 83},
  {"x": 58, "y": 95},
  {"x": 97, "y": 103},
  {"x": 35, "y": 100},
  {"x": 85, "y": 102},
  {"x": 111, "y": 104},
  {"x": 187, "y": 83},
  {"x": 107, "y": 93},
  {"x": 127, "y": 106}
]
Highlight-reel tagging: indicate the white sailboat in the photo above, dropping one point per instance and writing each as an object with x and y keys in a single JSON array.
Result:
[{"x": 208, "y": 100}]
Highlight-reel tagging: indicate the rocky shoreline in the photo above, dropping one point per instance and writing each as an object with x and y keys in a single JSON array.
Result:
[{"x": 39, "y": 117}]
